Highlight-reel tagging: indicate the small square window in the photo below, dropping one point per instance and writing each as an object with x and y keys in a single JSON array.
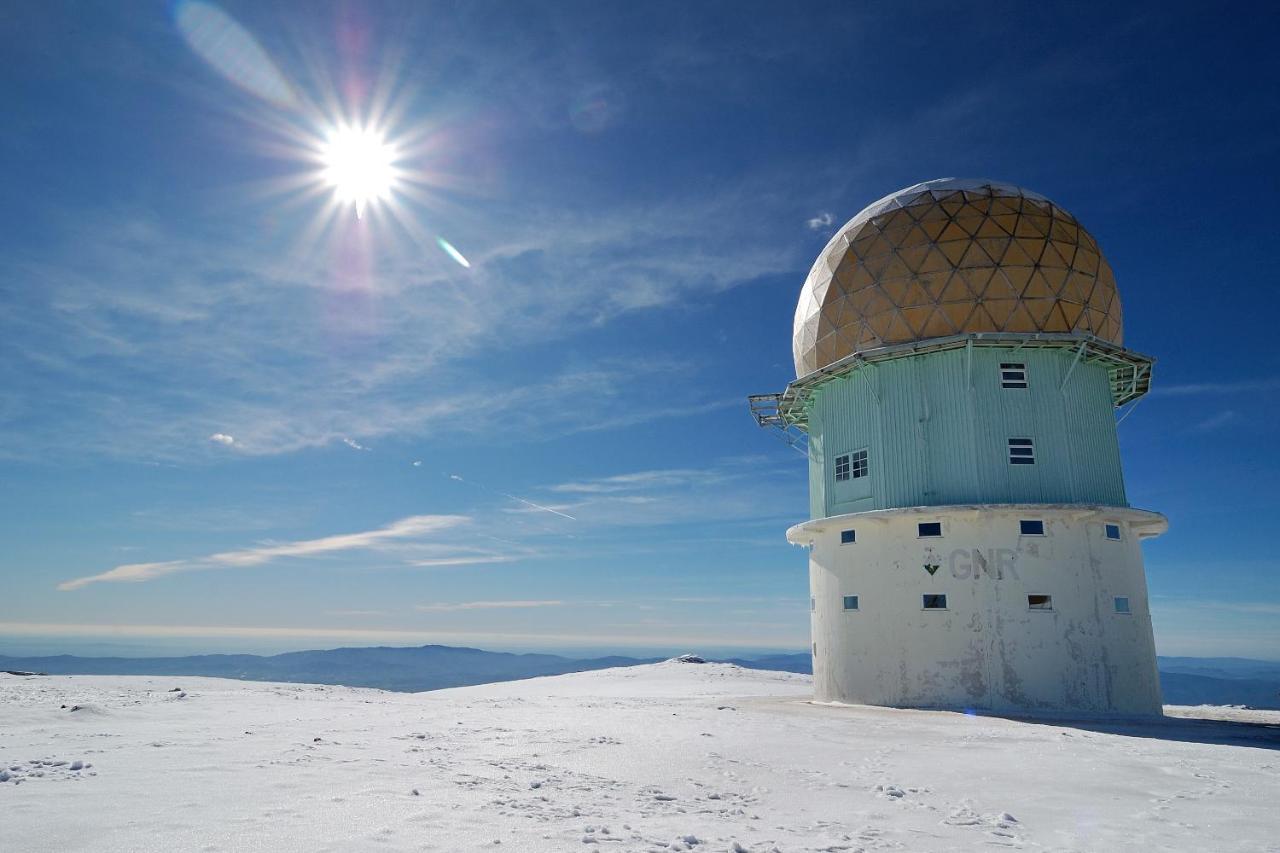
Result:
[
  {"x": 935, "y": 602},
  {"x": 842, "y": 468},
  {"x": 929, "y": 528},
  {"x": 848, "y": 537},
  {"x": 1039, "y": 602},
  {"x": 1113, "y": 531},
  {"x": 1122, "y": 604},
  {"x": 1031, "y": 527},
  {"x": 860, "y": 467},
  {"x": 1013, "y": 375},
  {"x": 1022, "y": 451},
  {"x": 851, "y": 602}
]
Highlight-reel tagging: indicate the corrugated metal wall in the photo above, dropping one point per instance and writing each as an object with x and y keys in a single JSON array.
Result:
[{"x": 937, "y": 427}]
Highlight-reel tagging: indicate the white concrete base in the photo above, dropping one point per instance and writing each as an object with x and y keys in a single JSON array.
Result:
[{"x": 988, "y": 650}]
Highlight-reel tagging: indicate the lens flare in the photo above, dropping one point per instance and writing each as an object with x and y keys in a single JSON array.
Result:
[
  {"x": 359, "y": 165},
  {"x": 448, "y": 249},
  {"x": 232, "y": 51}
]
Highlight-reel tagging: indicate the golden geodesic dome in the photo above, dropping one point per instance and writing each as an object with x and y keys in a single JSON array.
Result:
[{"x": 950, "y": 257}]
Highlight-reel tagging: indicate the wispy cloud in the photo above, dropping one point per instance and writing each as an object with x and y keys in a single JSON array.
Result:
[
  {"x": 820, "y": 222},
  {"x": 405, "y": 528},
  {"x": 485, "y": 605},
  {"x": 1217, "y": 421},
  {"x": 353, "y": 444},
  {"x": 641, "y": 480},
  {"x": 1266, "y": 608},
  {"x": 718, "y": 491},
  {"x": 1241, "y": 386},
  {"x": 523, "y": 501},
  {"x": 249, "y": 336},
  {"x": 431, "y": 562}
]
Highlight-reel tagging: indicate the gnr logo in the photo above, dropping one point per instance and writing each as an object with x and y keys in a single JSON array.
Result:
[{"x": 993, "y": 562}]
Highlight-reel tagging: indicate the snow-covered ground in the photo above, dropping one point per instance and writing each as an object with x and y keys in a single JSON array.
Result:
[{"x": 665, "y": 757}]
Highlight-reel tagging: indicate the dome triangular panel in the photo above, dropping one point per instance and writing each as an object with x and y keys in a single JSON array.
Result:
[{"x": 953, "y": 256}]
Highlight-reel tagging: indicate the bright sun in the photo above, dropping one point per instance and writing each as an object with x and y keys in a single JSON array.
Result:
[{"x": 359, "y": 165}]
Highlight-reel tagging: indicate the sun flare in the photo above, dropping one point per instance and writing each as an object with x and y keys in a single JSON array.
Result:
[{"x": 359, "y": 165}]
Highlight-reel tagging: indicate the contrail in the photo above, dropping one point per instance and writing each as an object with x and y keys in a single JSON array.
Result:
[{"x": 514, "y": 498}]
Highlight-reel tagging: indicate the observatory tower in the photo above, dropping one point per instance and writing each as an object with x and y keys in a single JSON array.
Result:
[{"x": 958, "y": 348}]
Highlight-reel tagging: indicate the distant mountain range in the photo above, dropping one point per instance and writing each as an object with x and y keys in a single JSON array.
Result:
[
  {"x": 1220, "y": 681},
  {"x": 1185, "y": 681},
  {"x": 388, "y": 668}
]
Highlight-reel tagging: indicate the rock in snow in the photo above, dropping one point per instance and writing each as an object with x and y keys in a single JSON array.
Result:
[{"x": 610, "y": 759}]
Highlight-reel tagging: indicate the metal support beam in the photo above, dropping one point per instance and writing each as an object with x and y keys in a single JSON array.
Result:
[{"x": 1074, "y": 362}]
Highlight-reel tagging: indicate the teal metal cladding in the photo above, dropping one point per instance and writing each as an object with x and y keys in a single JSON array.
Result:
[{"x": 936, "y": 430}]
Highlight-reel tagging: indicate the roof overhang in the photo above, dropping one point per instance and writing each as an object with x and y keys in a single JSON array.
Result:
[
  {"x": 1144, "y": 523},
  {"x": 1129, "y": 371}
]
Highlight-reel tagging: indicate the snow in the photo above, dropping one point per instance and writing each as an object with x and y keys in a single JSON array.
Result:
[{"x": 667, "y": 757}]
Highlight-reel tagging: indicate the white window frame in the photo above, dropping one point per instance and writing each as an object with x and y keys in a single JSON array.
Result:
[
  {"x": 853, "y": 540},
  {"x": 845, "y": 459},
  {"x": 1128, "y": 605},
  {"x": 1106, "y": 531},
  {"x": 1013, "y": 374},
  {"x": 844, "y": 603},
  {"x": 1048, "y": 605},
  {"x": 859, "y": 464},
  {"x": 1024, "y": 443}
]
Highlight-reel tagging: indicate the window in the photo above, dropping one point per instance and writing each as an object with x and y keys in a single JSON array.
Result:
[
  {"x": 815, "y": 650},
  {"x": 935, "y": 602},
  {"x": 813, "y": 604},
  {"x": 851, "y": 602},
  {"x": 1113, "y": 531},
  {"x": 929, "y": 528},
  {"x": 1022, "y": 451},
  {"x": 1029, "y": 527},
  {"x": 1039, "y": 602},
  {"x": 859, "y": 464},
  {"x": 848, "y": 537},
  {"x": 842, "y": 468},
  {"x": 1013, "y": 375},
  {"x": 1122, "y": 604}
]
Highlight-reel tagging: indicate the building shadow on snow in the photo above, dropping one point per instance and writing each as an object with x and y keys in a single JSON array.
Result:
[{"x": 1259, "y": 735}]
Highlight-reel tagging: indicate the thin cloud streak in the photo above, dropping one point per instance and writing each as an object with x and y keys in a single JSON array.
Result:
[
  {"x": 409, "y": 636},
  {"x": 1244, "y": 386},
  {"x": 639, "y": 480},
  {"x": 405, "y": 528},
  {"x": 464, "y": 561},
  {"x": 244, "y": 320},
  {"x": 485, "y": 605},
  {"x": 528, "y": 503},
  {"x": 1217, "y": 421}
]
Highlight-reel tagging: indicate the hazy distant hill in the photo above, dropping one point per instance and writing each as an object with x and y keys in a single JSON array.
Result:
[
  {"x": 1185, "y": 681},
  {"x": 1220, "y": 681},
  {"x": 388, "y": 668},
  {"x": 1229, "y": 668}
]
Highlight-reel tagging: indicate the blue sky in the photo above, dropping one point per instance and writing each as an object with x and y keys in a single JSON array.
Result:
[{"x": 293, "y": 428}]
